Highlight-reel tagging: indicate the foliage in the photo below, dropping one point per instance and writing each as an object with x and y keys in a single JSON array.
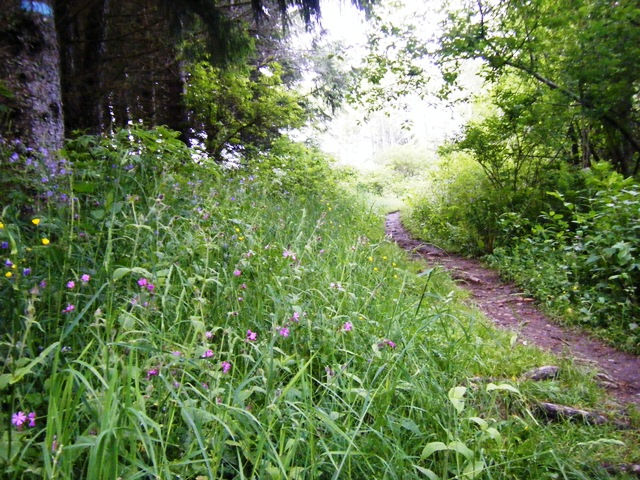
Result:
[
  {"x": 185, "y": 320},
  {"x": 581, "y": 258},
  {"x": 241, "y": 108}
]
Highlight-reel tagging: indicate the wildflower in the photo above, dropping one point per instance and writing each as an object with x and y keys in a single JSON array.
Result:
[
  {"x": 208, "y": 334},
  {"x": 237, "y": 273},
  {"x": 1, "y": 225},
  {"x": 284, "y": 332},
  {"x": 43, "y": 284},
  {"x": 243, "y": 286},
  {"x": 226, "y": 366},
  {"x": 370, "y": 259},
  {"x": 252, "y": 336},
  {"x": 69, "y": 308},
  {"x": 143, "y": 282},
  {"x": 375, "y": 269},
  {"x": 321, "y": 251},
  {"x": 71, "y": 284},
  {"x": 289, "y": 254},
  {"x": 65, "y": 349},
  {"x": 8, "y": 263},
  {"x": 176, "y": 353},
  {"x": 32, "y": 419},
  {"x": 35, "y": 221},
  {"x": 207, "y": 354},
  {"x": 85, "y": 278},
  {"x": 8, "y": 274},
  {"x": 45, "y": 241},
  {"x": 240, "y": 299},
  {"x": 150, "y": 287},
  {"x": 347, "y": 327},
  {"x": 295, "y": 317},
  {"x": 390, "y": 343},
  {"x": 4, "y": 245},
  {"x": 54, "y": 443},
  {"x": 152, "y": 373},
  {"x": 18, "y": 419},
  {"x": 26, "y": 272}
]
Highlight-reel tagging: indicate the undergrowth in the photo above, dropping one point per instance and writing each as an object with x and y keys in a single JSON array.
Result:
[{"x": 168, "y": 319}]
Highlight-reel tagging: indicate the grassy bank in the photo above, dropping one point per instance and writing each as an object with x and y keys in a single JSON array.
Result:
[{"x": 170, "y": 321}]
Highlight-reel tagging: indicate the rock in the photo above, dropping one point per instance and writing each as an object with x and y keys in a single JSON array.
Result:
[
  {"x": 561, "y": 412},
  {"x": 546, "y": 372}
]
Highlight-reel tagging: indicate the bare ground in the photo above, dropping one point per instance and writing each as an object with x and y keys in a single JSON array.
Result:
[{"x": 510, "y": 309}]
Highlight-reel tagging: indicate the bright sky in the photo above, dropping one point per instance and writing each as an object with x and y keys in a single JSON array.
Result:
[{"x": 432, "y": 121}]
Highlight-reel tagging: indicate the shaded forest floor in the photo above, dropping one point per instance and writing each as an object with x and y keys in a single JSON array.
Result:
[{"x": 506, "y": 306}]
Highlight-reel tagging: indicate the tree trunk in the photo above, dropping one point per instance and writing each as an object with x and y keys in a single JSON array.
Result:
[{"x": 29, "y": 68}]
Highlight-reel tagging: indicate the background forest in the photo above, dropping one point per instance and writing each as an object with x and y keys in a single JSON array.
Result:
[{"x": 189, "y": 291}]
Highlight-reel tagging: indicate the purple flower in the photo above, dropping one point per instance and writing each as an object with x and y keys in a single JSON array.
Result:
[
  {"x": 26, "y": 272},
  {"x": 207, "y": 354},
  {"x": 69, "y": 308},
  {"x": 43, "y": 284},
  {"x": 252, "y": 336},
  {"x": 289, "y": 254},
  {"x": 150, "y": 287},
  {"x": 347, "y": 327},
  {"x": 284, "y": 332},
  {"x": 8, "y": 263},
  {"x": 208, "y": 334},
  {"x": 226, "y": 366},
  {"x": 143, "y": 282},
  {"x": 237, "y": 273},
  {"x": 13, "y": 159},
  {"x": 71, "y": 284},
  {"x": 152, "y": 373},
  {"x": 18, "y": 419},
  {"x": 295, "y": 317},
  {"x": 243, "y": 286},
  {"x": 32, "y": 419},
  {"x": 176, "y": 353},
  {"x": 85, "y": 278},
  {"x": 4, "y": 245}
]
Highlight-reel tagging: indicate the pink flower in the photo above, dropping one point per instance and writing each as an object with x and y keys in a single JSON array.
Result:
[
  {"x": 69, "y": 308},
  {"x": 226, "y": 366},
  {"x": 176, "y": 353},
  {"x": 150, "y": 287},
  {"x": 71, "y": 284},
  {"x": 284, "y": 332},
  {"x": 143, "y": 282},
  {"x": 237, "y": 273},
  {"x": 85, "y": 278},
  {"x": 347, "y": 327},
  {"x": 208, "y": 334},
  {"x": 243, "y": 286},
  {"x": 289, "y": 254},
  {"x": 252, "y": 336},
  {"x": 207, "y": 354},
  {"x": 18, "y": 419},
  {"x": 295, "y": 317},
  {"x": 152, "y": 373},
  {"x": 32, "y": 419}
]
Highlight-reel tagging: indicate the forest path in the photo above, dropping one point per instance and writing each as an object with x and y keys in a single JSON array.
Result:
[{"x": 508, "y": 308}]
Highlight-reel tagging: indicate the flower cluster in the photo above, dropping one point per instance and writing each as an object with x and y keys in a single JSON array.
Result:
[{"x": 19, "y": 418}]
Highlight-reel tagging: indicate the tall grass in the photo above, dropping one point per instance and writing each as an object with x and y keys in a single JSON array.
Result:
[{"x": 234, "y": 326}]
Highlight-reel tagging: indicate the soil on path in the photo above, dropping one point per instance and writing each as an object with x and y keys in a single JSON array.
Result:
[{"x": 508, "y": 308}]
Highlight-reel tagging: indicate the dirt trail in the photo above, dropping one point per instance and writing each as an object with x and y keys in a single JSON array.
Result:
[{"x": 509, "y": 309}]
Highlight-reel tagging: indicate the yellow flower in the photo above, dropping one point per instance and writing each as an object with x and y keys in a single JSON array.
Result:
[
  {"x": 35, "y": 221},
  {"x": 8, "y": 274},
  {"x": 394, "y": 264},
  {"x": 395, "y": 276},
  {"x": 384, "y": 257},
  {"x": 240, "y": 238},
  {"x": 45, "y": 241},
  {"x": 1, "y": 225},
  {"x": 14, "y": 266},
  {"x": 371, "y": 259},
  {"x": 237, "y": 229},
  {"x": 375, "y": 269}
]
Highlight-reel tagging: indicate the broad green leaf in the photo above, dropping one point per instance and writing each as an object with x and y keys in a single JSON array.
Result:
[
  {"x": 456, "y": 396},
  {"x": 426, "y": 472},
  {"x": 502, "y": 386},
  {"x": 473, "y": 469},
  {"x": 461, "y": 448},
  {"x": 482, "y": 423},
  {"x": 433, "y": 447}
]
